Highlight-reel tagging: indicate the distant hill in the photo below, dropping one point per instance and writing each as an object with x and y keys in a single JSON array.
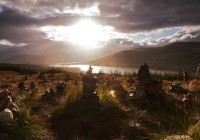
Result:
[
  {"x": 25, "y": 59},
  {"x": 180, "y": 55}
]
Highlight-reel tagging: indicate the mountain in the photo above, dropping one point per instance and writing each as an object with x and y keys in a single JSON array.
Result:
[
  {"x": 53, "y": 53},
  {"x": 25, "y": 59},
  {"x": 178, "y": 56}
]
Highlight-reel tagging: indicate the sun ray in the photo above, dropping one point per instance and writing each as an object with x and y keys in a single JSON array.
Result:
[{"x": 85, "y": 33}]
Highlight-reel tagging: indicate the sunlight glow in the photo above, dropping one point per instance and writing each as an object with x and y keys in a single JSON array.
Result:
[
  {"x": 85, "y": 33},
  {"x": 112, "y": 93}
]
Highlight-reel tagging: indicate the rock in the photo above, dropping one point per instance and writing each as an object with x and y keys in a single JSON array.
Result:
[
  {"x": 130, "y": 80},
  {"x": 6, "y": 116},
  {"x": 49, "y": 94},
  {"x": 32, "y": 85},
  {"x": 120, "y": 90},
  {"x": 60, "y": 87},
  {"x": 21, "y": 85},
  {"x": 139, "y": 96},
  {"x": 143, "y": 72},
  {"x": 177, "y": 88},
  {"x": 89, "y": 83},
  {"x": 4, "y": 94},
  {"x": 25, "y": 77},
  {"x": 153, "y": 88},
  {"x": 4, "y": 102},
  {"x": 41, "y": 76},
  {"x": 4, "y": 86},
  {"x": 13, "y": 107},
  {"x": 146, "y": 83},
  {"x": 46, "y": 94},
  {"x": 178, "y": 137}
]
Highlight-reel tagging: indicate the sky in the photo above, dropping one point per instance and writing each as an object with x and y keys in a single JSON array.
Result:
[{"x": 49, "y": 26}]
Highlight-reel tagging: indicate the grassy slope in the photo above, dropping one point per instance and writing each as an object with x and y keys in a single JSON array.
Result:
[
  {"x": 109, "y": 117},
  {"x": 178, "y": 55}
]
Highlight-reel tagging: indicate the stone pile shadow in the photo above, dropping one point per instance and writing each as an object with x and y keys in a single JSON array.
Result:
[{"x": 88, "y": 119}]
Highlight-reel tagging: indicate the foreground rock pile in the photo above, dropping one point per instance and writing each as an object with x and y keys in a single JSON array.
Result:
[
  {"x": 89, "y": 84},
  {"x": 7, "y": 111},
  {"x": 148, "y": 87}
]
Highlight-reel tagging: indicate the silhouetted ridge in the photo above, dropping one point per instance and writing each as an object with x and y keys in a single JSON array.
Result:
[{"x": 180, "y": 55}]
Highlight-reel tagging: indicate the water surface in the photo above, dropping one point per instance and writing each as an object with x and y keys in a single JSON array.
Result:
[{"x": 107, "y": 69}]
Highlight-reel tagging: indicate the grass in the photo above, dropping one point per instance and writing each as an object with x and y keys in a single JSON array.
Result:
[
  {"x": 91, "y": 118},
  {"x": 110, "y": 115},
  {"x": 28, "y": 69}
]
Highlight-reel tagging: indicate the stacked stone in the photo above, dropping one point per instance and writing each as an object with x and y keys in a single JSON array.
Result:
[
  {"x": 60, "y": 87},
  {"x": 146, "y": 83},
  {"x": 7, "y": 109},
  {"x": 48, "y": 94},
  {"x": 150, "y": 86},
  {"x": 32, "y": 85},
  {"x": 89, "y": 83},
  {"x": 21, "y": 86}
]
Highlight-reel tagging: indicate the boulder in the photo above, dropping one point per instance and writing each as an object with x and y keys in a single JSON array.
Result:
[
  {"x": 6, "y": 116},
  {"x": 4, "y": 102},
  {"x": 48, "y": 95},
  {"x": 4, "y": 94},
  {"x": 153, "y": 88},
  {"x": 32, "y": 85},
  {"x": 60, "y": 87},
  {"x": 146, "y": 83},
  {"x": 89, "y": 85},
  {"x": 143, "y": 72},
  {"x": 13, "y": 107},
  {"x": 178, "y": 88},
  {"x": 21, "y": 85}
]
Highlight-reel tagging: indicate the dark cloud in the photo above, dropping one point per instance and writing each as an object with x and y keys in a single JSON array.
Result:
[
  {"x": 148, "y": 15},
  {"x": 126, "y": 15},
  {"x": 9, "y": 16},
  {"x": 19, "y": 17}
]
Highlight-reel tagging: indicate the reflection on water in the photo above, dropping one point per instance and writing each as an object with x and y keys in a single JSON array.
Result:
[{"x": 104, "y": 69}]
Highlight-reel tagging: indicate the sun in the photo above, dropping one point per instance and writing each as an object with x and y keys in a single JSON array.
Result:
[{"x": 85, "y": 33}]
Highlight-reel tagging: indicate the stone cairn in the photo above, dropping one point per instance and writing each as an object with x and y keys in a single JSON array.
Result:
[
  {"x": 21, "y": 86},
  {"x": 41, "y": 79},
  {"x": 32, "y": 85},
  {"x": 48, "y": 95},
  {"x": 7, "y": 110},
  {"x": 89, "y": 83},
  {"x": 54, "y": 95},
  {"x": 60, "y": 87},
  {"x": 150, "y": 86}
]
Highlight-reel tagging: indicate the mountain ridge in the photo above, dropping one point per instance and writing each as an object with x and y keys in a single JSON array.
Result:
[{"x": 178, "y": 56}]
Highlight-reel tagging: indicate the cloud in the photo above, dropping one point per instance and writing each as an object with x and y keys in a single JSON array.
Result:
[
  {"x": 140, "y": 15},
  {"x": 8, "y": 43},
  {"x": 125, "y": 16},
  {"x": 9, "y": 16},
  {"x": 150, "y": 23}
]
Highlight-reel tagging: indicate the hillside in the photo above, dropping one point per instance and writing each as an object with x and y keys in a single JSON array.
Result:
[{"x": 180, "y": 55}]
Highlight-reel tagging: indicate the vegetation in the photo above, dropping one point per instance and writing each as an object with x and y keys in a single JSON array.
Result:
[
  {"x": 28, "y": 69},
  {"x": 117, "y": 111}
]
